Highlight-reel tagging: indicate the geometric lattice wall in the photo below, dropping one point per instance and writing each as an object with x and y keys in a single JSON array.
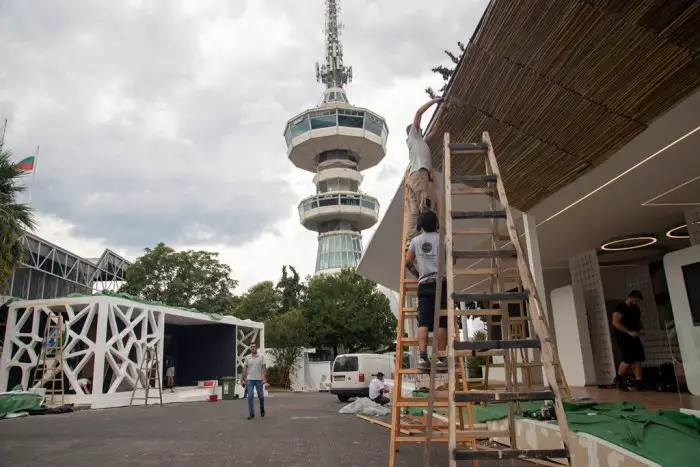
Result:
[
  {"x": 692, "y": 219},
  {"x": 585, "y": 276},
  {"x": 104, "y": 342}
]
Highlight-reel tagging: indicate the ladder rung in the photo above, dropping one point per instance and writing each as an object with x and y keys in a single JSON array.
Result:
[
  {"x": 491, "y": 345},
  {"x": 490, "y": 297},
  {"x": 519, "y": 365},
  {"x": 479, "y": 454},
  {"x": 482, "y": 312},
  {"x": 478, "y": 214},
  {"x": 464, "y": 148},
  {"x": 472, "y": 254},
  {"x": 413, "y": 340},
  {"x": 473, "y": 178},
  {"x": 472, "y": 191},
  {"x": 473, "y": 231},
  {"x": 492, "y": 396},
  {"x": 423, "y": 402},
  {"x": 461, "y": 436}
]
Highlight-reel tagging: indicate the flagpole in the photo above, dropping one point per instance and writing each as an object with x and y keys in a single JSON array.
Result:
[
  {"x": 36, "y": 163},
  {"x": 4, "y": 129}
]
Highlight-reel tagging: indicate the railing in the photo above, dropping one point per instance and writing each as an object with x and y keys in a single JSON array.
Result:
[
  {"x": 326, "y": 118},
  {"x": 338, "y": 199}
]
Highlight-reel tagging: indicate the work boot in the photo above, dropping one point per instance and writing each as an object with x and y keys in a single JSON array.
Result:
[
  {"x": 620, "y": 383},
  {"x": 262, "y": 411},
  {"x": 251, "y": 416}
]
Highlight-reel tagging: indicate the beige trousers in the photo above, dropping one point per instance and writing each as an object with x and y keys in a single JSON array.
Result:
[{"x": 418, "y": 194}]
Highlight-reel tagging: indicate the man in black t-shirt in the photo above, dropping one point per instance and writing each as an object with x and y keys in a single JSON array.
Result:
[{"x": 628, "y": 327}]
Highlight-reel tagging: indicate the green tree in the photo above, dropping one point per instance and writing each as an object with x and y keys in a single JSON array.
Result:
[
  {"x": 291, "y": 289},
  {"x": 286, "y": 334},
  {"x": 15, "y": 218},
  {"x": 259, "y": 303},
  {"x": 445, "y": 72},
  {"x": 347, "y": 309},
  {"x": 192, "y": 279}
]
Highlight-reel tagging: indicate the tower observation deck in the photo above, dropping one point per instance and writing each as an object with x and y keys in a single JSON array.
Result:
[{"x": 336, "y": 141}]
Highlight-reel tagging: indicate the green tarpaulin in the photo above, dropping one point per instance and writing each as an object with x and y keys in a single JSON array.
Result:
[
  {"x": 18, "y": 401},
  {"x": 667, "y": 437}
]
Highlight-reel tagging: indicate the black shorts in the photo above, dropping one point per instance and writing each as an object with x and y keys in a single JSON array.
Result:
[
  {"x": 631, "y": 348},
  {"x": 426, "y": 304}
]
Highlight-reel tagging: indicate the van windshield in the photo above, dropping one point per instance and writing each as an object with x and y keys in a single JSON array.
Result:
[{"x": 345, "y": 364}]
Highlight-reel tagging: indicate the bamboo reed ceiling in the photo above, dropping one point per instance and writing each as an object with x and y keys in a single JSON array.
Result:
[{"x": 561, "y": 85}]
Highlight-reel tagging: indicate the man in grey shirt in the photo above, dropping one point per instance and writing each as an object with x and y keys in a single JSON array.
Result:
[
  {"x": 423, "y": 253},
  {"x": 254, "y": 377},
  {"x": 419, "y": 172}
]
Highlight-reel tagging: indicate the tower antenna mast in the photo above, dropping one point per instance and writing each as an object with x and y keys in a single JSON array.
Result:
[{"x": 333, "y": 73}]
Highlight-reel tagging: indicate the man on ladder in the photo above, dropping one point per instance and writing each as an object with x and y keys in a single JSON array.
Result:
[
  {"x": 422, "y": 262},
  {"x": 420, "y": 169}
]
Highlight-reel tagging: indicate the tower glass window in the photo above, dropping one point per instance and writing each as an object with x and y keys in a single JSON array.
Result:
[{"x": 338, "y": 251}]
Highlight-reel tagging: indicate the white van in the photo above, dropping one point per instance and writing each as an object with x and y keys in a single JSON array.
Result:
[{"x": 351, "y": 373}]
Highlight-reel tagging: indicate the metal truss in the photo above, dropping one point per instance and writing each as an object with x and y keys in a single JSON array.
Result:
[{"x": 49, "y": 271}]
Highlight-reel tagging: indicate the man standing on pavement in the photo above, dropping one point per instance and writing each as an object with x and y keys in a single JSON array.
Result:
[
  {"x": 377, "y": 390},
  {"x": 419, "y": 172},
  {"x": 628, "y": 327},
  {"x": 254, "y": 377}
]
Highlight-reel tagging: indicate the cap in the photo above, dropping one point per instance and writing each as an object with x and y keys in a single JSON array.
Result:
[
  {"x": 636, "y": 294},
  {"x": 380, "y": 375}
]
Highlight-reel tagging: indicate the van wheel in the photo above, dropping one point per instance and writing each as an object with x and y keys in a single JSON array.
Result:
[{"x": 343, "y": 398}]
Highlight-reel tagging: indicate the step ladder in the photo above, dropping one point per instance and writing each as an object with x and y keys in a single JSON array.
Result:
[
  {"x": 496, "y": 298},
  {"x": 420, "y": 430},
  {"x": 48, "y": 373},
  {"x": 149, "y": 370}
]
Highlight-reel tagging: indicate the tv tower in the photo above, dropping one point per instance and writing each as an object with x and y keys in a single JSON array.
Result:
[{"x": 336, "y": 141}]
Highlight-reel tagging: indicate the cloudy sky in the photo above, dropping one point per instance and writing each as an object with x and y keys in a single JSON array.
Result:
[{"x": 162, "y": 120}]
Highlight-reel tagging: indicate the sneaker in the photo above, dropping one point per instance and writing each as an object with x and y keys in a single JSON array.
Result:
[
  {"x": 262, "y": 412},
  {"x": 423, "y": 364},
  {"x": 442, "y": 364}
]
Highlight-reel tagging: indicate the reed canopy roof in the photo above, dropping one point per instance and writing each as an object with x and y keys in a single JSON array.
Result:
[{"x": 561, "y": 85}]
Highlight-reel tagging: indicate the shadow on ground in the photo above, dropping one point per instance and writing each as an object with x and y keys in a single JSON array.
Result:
[{"x": 299, "y": 430}]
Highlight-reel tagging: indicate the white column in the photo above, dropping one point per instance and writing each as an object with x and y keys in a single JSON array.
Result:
[
  {"x": 534, "y": 260},
  {"x": 585, "y": 275},
  {"x": 692, "y": 219},
  {"x": 100, "y": 347},
  {"x": 262, "y": 337}
]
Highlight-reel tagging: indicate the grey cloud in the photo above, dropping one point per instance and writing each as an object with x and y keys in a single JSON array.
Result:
[{"x": 135, "y": 150}]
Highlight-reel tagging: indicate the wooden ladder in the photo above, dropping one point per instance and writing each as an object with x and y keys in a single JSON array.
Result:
[
  {"x": 49, "y": 369},
  {"x": 148, "y": 370},
  {"x": 412, "y": 430},
  {"x": 496, "y": 299}
]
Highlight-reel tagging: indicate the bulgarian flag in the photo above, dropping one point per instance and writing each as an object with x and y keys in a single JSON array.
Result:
[{"x": 27, "y": 163}]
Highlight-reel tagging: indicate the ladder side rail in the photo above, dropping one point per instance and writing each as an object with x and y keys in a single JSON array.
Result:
[
  {"x": 535, "y": 303},
  {"x": 436, "y": 331},
  {"x": 496, "y": 285},
  {"x": 398, "y": 364},
  {"x": 451, "y": 409}
]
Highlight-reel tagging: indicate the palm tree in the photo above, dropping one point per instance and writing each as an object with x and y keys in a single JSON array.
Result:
[{"x": 15, "y": 218}]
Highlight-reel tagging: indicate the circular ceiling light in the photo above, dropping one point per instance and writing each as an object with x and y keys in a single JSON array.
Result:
[
  {"x": 629, "y": 243},
  {"x": 680, "y": 231}
]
